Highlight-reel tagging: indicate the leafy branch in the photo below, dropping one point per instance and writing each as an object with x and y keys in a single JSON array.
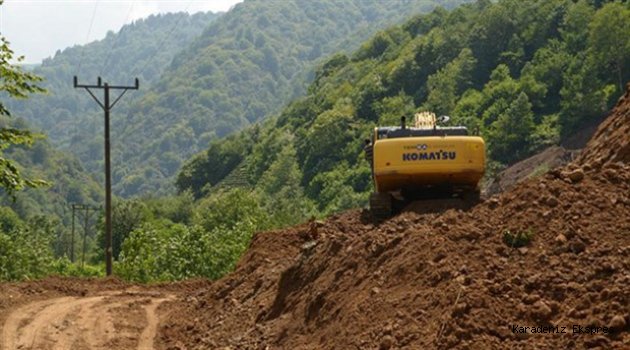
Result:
[{"x": 15, "y": 83}]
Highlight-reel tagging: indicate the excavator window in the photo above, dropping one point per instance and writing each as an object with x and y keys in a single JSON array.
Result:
[{"x": 396, "y": 132}]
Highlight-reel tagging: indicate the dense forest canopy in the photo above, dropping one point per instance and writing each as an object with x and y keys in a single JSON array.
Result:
[
  {"x": 141, "y": 49},
  {"x": 525, "y": 73},
  {"x": 246, "y": 65},
  {"x": 202, "y": 77}
]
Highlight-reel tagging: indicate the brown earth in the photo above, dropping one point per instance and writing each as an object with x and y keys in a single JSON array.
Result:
[
  {"x": 66, "y": 313},
  {"x": 439, "y": 280}
]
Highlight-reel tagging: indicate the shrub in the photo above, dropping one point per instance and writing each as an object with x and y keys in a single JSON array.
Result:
[{"x": 518, "y": 239}]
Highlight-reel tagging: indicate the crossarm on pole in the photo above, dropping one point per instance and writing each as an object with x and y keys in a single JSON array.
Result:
[
  {"x": 94, "y": 97},
  {"x": 118, "y": 98}
]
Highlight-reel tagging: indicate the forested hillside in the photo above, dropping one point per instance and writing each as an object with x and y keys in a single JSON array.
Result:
[
  {"x": 143, "y": 49},
  {"x": 524, "y": 73},
  {"x": 244, "y": 66},
  {"x": 68, "y": 182},
  {"x": 71, "y": 121},
  {"x": 39, "y": 221}
]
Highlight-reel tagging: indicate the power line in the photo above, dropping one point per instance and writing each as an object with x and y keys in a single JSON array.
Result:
[
  {"x": 165, "y": 38},
  {"x": 88, "y": 35},
  {"x": 117, "y": 40}
]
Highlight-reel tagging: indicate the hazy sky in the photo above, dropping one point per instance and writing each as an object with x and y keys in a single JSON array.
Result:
[{"x": 38, "y": 28}]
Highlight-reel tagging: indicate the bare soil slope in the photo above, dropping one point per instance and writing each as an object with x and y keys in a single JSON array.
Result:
[{"x": 439, "y": 280}]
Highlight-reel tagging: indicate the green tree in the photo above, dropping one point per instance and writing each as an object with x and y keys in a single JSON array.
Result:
[
  {"x": 609, "y": 39},
  {"x": 390, "y": 109},
  {"x": 227, "y": 209},
  {"x": 18, "y": 84},
  {"x": 283, "y": 196},
  {"x": 127, "y": 215},
  {"x": 9, "y": 220},
  {"x": 575, "y": 26},
  {"x": 446, "y": 86},
  {"x": 25, "y": 250},
  {"x": 584, "y": 95},
  {"x": 510, "y": 135}
]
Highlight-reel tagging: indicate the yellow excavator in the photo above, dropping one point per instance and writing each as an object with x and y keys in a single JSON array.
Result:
[{"x": 423, "y": 162}]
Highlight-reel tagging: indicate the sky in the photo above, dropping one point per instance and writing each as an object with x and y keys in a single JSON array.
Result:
[{"x": 38, "y": 28}]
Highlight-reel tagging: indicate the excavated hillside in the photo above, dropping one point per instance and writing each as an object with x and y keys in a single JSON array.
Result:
[{"x": 451, "y": 279}]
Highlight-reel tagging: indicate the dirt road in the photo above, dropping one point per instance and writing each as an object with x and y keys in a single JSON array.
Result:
[{"x": 122, "y": 319}]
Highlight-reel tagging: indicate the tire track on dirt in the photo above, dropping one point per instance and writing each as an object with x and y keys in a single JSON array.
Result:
[
  {"x": 148, "y": 335},
  {"x": 83, "y": 322},
  {"x": 99, "y": 325},
  {"x": 39, "y": 329}
]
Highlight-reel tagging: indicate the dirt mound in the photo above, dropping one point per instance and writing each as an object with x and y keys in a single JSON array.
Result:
[{"x": 552, "y": 253}]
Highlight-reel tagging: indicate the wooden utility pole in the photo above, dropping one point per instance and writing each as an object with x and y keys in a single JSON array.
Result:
[
  {"x": 106, "y": 106},
  {"x": 86, "y": 216},
  {"x": 72, "y": 237},
  {"x": 85, "y": 231}
]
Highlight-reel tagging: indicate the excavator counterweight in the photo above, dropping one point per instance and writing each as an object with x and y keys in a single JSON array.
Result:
[{"x": 423, "y": 162}]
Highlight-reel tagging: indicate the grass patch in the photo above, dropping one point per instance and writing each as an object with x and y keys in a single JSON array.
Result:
[
  {"x": 518, "y": 239},
  {"x": 540, "y": 170}
]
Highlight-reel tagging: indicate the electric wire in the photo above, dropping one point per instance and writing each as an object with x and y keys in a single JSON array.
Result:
[
  {"x": 164, "y": 39},
  {"x": 116, "y": 41},
  {"x": 82, "y": 56},
  {"x": 87, "y": 37}
]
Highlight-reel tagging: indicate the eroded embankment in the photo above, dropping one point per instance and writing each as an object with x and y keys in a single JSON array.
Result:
[{"x": 439, "y": 280}]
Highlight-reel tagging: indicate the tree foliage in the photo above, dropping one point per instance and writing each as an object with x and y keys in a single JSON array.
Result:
[
  {"x": 213, "y": 75},
  {"x": 71, "y": 119},
  {"x": 608, "y": 39},
  {"x": 25, "y": 247},
  {"x": 18, "y": 84},
  {"x": 220, "y": 230},
  {"x": 525, "y": 74}
]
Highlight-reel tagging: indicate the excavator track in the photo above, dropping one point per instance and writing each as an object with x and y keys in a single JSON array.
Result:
[
  {"x": 381, "y": 206},
  {"x": 385, "y": 205}
]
